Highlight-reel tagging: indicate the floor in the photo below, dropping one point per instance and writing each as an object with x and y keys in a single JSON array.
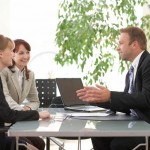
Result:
[{"x": 73, "y": 145}]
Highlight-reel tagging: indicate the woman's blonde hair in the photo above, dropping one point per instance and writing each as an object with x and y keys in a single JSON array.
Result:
[{"x": 6, "y": 42}]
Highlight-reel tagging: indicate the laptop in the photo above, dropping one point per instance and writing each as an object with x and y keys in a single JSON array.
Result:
[{"x": 67, "y": 88}]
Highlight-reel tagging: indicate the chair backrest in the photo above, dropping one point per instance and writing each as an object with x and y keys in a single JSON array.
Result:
[
  {"x": 46, "y": 91},
  {"x": 57, "y": 102}
]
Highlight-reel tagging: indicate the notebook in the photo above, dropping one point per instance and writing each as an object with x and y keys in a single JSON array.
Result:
[{"x": 67, "y": 88}]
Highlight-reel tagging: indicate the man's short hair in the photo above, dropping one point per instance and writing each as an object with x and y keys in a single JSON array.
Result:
[{"x": 136, "y": 34}]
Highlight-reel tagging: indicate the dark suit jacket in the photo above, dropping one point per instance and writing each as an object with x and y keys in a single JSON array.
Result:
[
  {"x": 11, "y": 116},
  {"x": 139, "y": 100}
]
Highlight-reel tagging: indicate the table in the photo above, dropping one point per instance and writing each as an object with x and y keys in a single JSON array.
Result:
[{"x": 70, "y": 127}]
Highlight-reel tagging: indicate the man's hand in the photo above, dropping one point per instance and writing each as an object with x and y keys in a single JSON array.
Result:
[{"x": 96, "y": 94}]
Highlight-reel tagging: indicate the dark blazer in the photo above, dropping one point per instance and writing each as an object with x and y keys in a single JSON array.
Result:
[
  {"x": 11, "y": 116},
  {"x": 139, "y": 100}
]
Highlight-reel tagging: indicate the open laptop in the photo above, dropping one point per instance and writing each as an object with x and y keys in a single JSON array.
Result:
[{"x": 67, "y": 88}]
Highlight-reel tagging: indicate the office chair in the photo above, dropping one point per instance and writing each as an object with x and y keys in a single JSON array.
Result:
[{"x": 47, "y": 91}]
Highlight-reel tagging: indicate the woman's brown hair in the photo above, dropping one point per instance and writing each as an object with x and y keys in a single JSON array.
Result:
[{"x": 19, "y": 42}]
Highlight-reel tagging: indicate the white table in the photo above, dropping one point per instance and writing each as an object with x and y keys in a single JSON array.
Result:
[{"x": 80, "y": 128}]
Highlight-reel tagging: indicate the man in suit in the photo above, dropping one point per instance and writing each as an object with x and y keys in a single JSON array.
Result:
[
  {"x": 6, "y": 114},
  {"x": 136, "y": 96}
]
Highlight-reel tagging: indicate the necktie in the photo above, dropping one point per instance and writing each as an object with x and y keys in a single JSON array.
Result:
[{"x": 131, "y": 79}]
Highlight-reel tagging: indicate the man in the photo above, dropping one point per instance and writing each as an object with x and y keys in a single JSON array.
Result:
[
  {"x": 6, "y": 114},
  {"x": 136, "y": 96}
]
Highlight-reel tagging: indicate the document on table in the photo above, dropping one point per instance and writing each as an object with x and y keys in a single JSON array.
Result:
[
  {"x": 85, "y": 115},
  {"x": 97, "y": 114},
  {"x": 51, "y": 125}
]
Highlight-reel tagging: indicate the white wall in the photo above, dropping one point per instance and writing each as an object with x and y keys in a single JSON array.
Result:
[
  {"x": 4, "y": 17},
  {"x": 36, "y": 22}
]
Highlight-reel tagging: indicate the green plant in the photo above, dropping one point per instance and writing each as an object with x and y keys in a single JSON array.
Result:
[{"x": 87, "y": 32}]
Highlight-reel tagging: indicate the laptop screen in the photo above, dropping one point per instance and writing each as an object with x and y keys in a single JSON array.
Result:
[{"x": 67, "y": 88}]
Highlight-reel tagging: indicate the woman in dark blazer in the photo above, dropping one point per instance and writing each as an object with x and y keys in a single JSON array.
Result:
[{"x": 19, "y": 85}]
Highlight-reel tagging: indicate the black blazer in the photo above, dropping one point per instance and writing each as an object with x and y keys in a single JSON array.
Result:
[
  {"x": 139, "y": 100},
  {"x": 11, "y": 116}
]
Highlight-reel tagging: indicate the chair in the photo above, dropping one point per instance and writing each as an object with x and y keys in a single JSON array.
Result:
[
  {"x": 47, "y": 91},
  {"x": 56, "y": 102}
]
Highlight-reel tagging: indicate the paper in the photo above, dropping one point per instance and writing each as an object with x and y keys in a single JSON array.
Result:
[
  {"x": 91, "y": 124},
  {"x": 53, "y": 126},
  {"x": 97, "y": 114}
]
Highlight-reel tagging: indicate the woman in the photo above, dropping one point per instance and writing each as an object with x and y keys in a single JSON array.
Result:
[
  {"x": 18, "y": 81},
  {"x": 19, "y": 85},
  {"x": 6, "y": 114}
]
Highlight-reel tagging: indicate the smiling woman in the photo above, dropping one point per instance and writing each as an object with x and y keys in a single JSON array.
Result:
[{"x": 18, "y": 80}]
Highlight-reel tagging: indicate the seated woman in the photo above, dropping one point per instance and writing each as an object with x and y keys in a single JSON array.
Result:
[
  {"x": 19, "y": 85},
  {"x": 18, "y": 81}
]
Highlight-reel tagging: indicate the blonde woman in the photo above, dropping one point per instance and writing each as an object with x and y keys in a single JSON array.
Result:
[
  {"x": 19, "y": 85},
  {"x": 6, "y": 114}
]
